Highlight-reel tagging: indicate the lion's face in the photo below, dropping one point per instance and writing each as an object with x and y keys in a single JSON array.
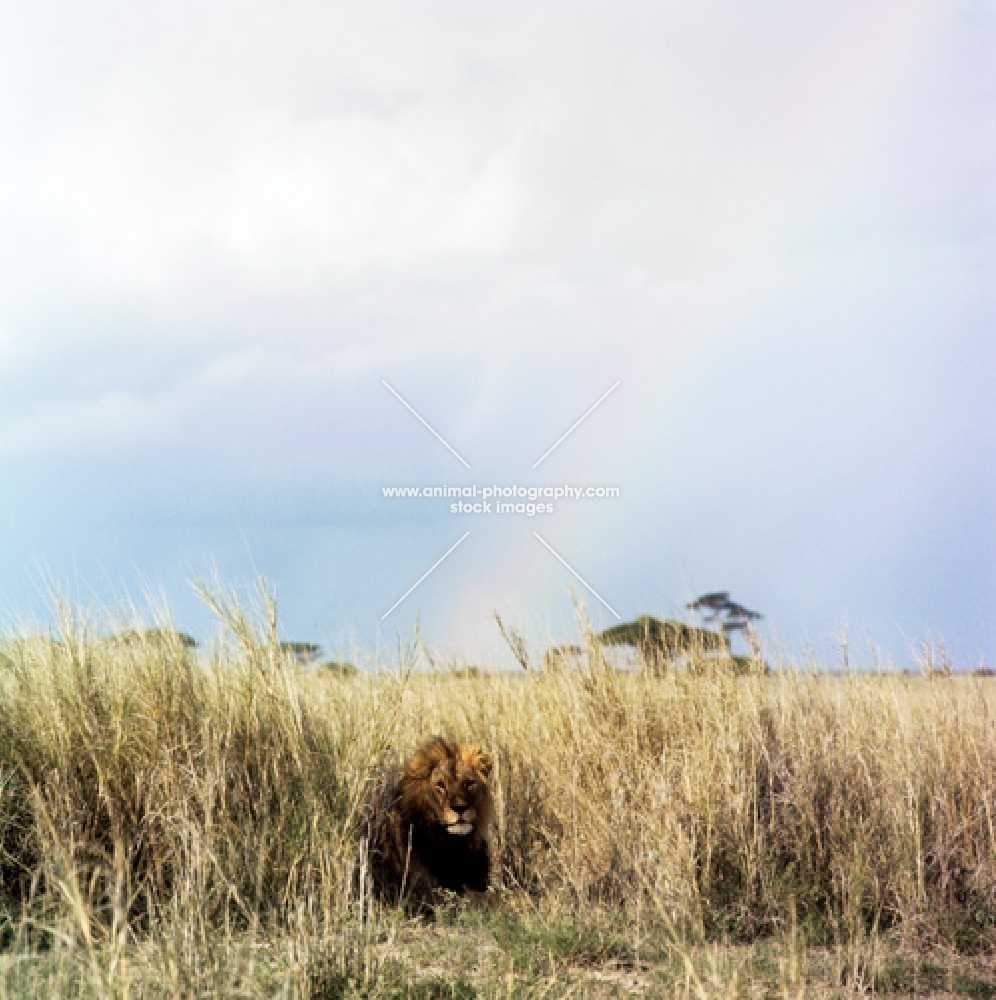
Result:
[{"x": 446, "y": 784}]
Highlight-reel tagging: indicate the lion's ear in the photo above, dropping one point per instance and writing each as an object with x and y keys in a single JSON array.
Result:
[{"x": 484, "y": 763}]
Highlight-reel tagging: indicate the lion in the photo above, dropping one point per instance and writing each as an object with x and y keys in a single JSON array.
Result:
[{"x": 434, "y": 836}]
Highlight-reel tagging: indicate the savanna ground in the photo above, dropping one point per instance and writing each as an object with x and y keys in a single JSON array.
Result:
[{"x": 176, "y": 828}]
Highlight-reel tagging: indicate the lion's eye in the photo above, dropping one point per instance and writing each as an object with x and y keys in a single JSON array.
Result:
[
  {"x": 440, "y": 787},
  {"x": 471, "y": 787}
]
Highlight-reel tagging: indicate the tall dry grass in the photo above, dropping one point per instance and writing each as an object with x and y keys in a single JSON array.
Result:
[{"x": 160, "y": 814}]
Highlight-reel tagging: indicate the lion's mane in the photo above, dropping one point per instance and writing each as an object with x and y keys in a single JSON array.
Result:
[{"x": 434, "y": 835}]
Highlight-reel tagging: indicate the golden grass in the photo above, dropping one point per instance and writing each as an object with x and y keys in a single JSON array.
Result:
[{"x": 174, "y": 828}]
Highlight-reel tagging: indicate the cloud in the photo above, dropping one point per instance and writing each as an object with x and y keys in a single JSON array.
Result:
[
  {"x": 182, "y": 163},
  {"x": 221, "y": 225}
]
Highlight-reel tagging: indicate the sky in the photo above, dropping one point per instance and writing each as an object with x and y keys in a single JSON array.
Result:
[{"x": 772, "y": 227}]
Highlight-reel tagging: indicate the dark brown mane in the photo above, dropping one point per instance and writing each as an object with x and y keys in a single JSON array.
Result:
[{"x": 435, "y": 834}]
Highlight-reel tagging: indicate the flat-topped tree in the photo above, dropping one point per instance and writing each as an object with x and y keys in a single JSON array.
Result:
[
  {"x": 567, "y": 655},
  {"x": 660, "y": 641},
  {"x": 738, "y": 618},
  {"x": 302, "y": 653},
  {"x": 711, "y": 606},
  {"x": 717, "y": 608},
  {"x": 159, "y": 637}
]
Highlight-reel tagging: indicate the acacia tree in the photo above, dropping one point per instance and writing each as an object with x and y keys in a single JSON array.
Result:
[
  {"x": 302, "y": 653},
  {"x": 732, "y": 618}
]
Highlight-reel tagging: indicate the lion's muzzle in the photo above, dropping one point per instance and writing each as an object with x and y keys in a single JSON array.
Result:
[{"x": 462, "y": 823}]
